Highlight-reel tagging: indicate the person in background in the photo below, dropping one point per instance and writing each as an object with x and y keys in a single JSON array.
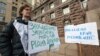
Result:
[{"x": 10, "y": 39}]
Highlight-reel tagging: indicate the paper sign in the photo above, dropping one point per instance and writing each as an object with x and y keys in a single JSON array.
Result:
[
  {"x": 41, "y": 37},
  {"x": 82, "y": 33}
]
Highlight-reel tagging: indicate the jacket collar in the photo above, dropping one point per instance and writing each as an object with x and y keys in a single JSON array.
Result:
[{"x": 20, "y": 20}]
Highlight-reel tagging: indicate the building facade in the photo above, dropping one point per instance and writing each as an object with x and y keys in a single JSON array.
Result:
[
  {"x": 59, "y": 13},
  {"x": 65, "y": 12}
]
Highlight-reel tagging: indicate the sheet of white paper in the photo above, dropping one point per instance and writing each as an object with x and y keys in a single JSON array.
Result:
[
  {"x": 22, "y": 30},
  {"x": 83, "y": 33},
  {"x": 41, "y": 37}
]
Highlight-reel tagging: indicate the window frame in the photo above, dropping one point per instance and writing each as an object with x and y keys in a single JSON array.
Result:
[
  {"x": 66, "y": 8},
  {"x": 42, "y": 10},
  {"x": 53, "y": 13},
  {"x": 50, "y": 5}
]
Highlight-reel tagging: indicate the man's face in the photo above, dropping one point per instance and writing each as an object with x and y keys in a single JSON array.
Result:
[{"x": 26, "y": 12}]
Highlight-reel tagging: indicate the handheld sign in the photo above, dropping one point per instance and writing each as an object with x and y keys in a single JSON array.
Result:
[
  {"x": 84, "y": 34},
  {"x": 41, "y": 36}
]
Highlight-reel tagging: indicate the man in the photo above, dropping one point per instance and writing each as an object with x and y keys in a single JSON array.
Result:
[{"x": 10, "y": 39}]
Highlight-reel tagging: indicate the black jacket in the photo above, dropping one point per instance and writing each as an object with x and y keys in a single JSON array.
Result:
[{"x": 10, "y": 44}]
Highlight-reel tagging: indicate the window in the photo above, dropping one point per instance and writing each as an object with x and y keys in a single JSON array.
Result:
[
  {"x": 43, "y": 19},
  {"x": 53, "y": 24},
  {"x": 84, "y": 3},
  {"x": 16, "y": 0},
  {"x": 2, "y": 8},
  {"x": 66, "y": 10},
  {"x": 52, "y": 15},
  {"x": 14, "y": 11},
  {"x": 42, "y": 10},
  {"x": 51, "y": 5},
  {"x": 35, "y": 14},
  {"x": 35, "y": 19},
  {"x": 22, "y": 3},
  {"x": 16, "y": 4},
  {"x": 67, "y": 22},
  {"x": 2, "y": 4},
  {"x": 1, "y": 18},
  {"x": 14, "y": 8},
  {"x": 64, "y": 0},
  {"x": 2, "y": 11}
]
